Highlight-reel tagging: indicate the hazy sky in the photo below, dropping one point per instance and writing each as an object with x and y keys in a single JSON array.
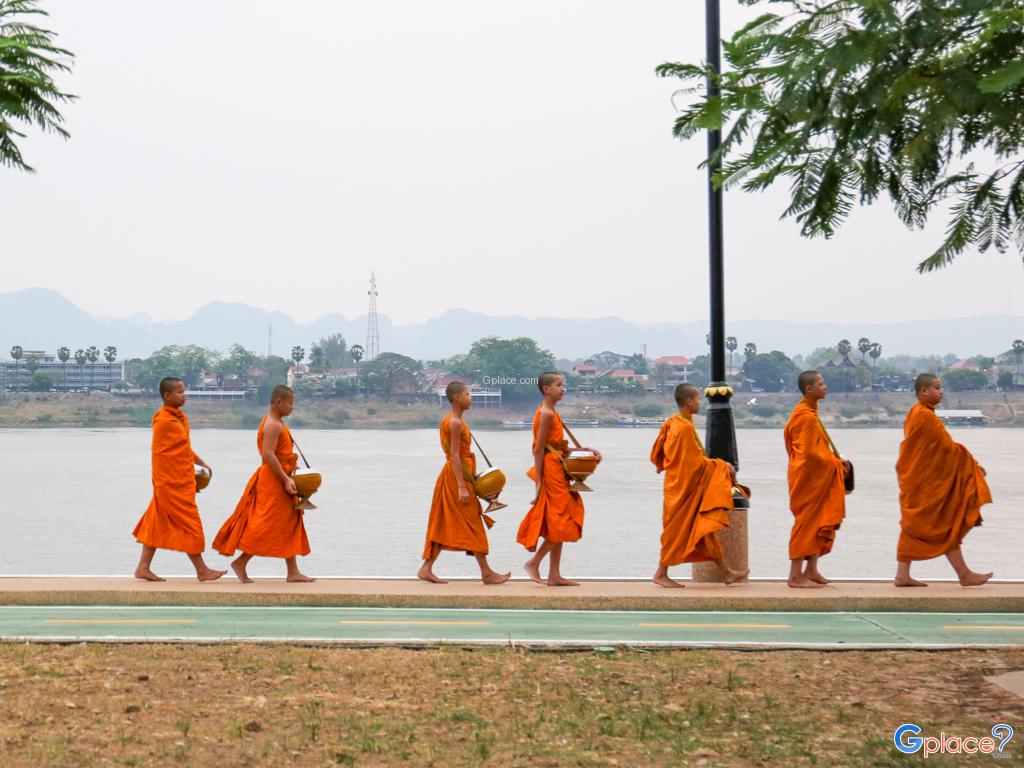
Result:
[{"x": 506, "y": 157}]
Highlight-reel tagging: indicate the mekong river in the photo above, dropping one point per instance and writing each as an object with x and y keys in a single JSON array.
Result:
[{"x": 72, "y": 497}]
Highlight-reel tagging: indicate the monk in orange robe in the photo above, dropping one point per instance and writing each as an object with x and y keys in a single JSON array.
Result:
[
  {"x": 698, "y": 494},
  {"x": 556, "y": 514},
  {"x": 942, "y": 490},
  {"x": 172, "y": 519},
  {"x": 456, "y": 519},
  {"x": 817, "y": 495},
  {"x": 265, "y": 522}
]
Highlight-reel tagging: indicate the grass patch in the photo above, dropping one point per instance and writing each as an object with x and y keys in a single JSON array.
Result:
[{"x": 280, "y": 705}]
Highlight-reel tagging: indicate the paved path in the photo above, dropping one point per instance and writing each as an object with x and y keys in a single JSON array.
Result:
[
  {"x": 1002, "y": 597},
  {"x": 534, "y": 628}
]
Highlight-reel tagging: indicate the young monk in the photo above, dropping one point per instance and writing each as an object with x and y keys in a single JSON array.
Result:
[
  {"x": 456, "y": 519},
  {"x": 942, "y": 490},
  {"x": 698, "y": 494},
  {"x": 172, "y": 519},
  {"x": 817, "y": 496},
  {"x": 265, "y": 522},
  {"x": 556, "y": 514}
]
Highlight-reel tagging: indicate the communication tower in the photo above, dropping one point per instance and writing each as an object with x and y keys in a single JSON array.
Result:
[{"x": 372, "y": 330}]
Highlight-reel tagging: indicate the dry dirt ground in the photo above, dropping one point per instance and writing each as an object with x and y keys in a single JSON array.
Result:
[{"x": 230, "y": 705}]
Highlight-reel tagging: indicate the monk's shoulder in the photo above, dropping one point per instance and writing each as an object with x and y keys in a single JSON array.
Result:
[
  {"x": 683, "y": 426},
  {"x": 800, "y": 417},
  {"x": 920, "y": 415},
  {"x": 164, "y": 419}
]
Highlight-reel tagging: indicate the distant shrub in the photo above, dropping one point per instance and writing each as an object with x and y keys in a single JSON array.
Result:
[
  {"x": 371, "y": 411},
  {"x": 251, "y": 420},
  {"x": 648, "y": 409},
  {"x": 338, "y": 417},
  {"x": 141, "y": 415},
  {"x": 44, "y": 418}
]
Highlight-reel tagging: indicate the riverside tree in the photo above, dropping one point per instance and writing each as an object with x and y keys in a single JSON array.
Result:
[
  {"x": 29, "y": 97},
  {"x": 849, "y": 100}
]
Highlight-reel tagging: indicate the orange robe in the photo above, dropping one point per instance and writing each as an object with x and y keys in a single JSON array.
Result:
[
  {"x": 453, "y": 525},
  {"x": 558, "y": 514},
  {"x": 817, "y": 497},
  {"x": 265, "y": 522},
  {"x": 698, "y": 494},
  {"x": 172, "y": 519},
  {"x": 942, "y": 488}
]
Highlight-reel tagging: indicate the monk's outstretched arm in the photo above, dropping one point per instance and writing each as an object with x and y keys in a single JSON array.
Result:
[
  {"x": 540, "y": 448},
  {"x": 454, "y": 441},
  {"x": 271, "y": 434}
]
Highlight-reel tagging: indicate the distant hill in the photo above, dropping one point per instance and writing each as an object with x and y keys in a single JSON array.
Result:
[{"x": 38, "y": 318}]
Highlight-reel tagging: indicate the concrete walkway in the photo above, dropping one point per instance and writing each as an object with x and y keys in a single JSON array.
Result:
[
  {"x": 505, "y": 627},
  {"x": 998, "y": 597}
]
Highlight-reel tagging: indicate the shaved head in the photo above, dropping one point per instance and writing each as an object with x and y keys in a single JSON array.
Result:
[
  {"x": 453, "y": 390},
  {"x": 806, "y": 379},
  {"x": 684, "y": 392},
  {"x": 281, "y": 392},
  {"x": 922, "y": 382},
  {"x": 546, "y": 379},
  {"x": 167, "y": 385}
]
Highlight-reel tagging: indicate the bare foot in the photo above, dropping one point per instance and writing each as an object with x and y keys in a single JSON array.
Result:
[
  {"x": 427, "y": 574},
  {"x": 560, "y": 582},
  {"x": 209, "y": 574},
  {"x": 732, "y": 577},
  {"x": 299, "y": 577},
  {"x": 665, "y": 581},
  {"x": 972, "y": 579},
  {"x": 239, "y": 570},
  {"x": 900, "y": 581},
  {"x": 496, "y": 578},
  {"x": 817, "y": 578},
  {"x": 147, "y": 575},
  {"x": 533, "y": 571},
  {"x": 803, "y": 583}
]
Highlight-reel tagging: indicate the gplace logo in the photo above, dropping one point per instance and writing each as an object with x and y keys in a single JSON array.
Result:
[{"x": 909, "y": 742}]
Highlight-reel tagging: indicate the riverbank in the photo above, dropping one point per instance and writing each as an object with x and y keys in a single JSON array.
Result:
[{"x": 762, "y": 410}]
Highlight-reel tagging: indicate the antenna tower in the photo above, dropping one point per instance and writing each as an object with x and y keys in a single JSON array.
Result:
[{"x": 372, "y": 331}]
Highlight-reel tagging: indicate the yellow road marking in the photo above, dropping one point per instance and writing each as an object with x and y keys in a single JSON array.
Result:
[
  {"x": 430, "y": 623},
  {"x": 120, "y": 621},
  {"x": 994, "y": 627},
  {"x": 724, "y": 626}
]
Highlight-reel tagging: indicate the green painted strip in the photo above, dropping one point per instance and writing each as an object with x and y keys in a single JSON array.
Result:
[{"x": 502, "y": 626}]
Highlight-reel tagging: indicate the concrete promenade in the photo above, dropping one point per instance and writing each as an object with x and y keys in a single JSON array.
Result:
[{"x": 841, "y": 596}]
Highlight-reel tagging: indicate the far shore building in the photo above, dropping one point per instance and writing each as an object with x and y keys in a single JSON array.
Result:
[
  {"x": 483, "y": 397},
  {"x": 625, "y": 375},
  {"x": 586, "y": 371},
  {"x": 842, "y": 361},
  {"x": 677, "y": 368},
  {"x": 296, "y": 373},
  {"x": 66, "y": 377}
]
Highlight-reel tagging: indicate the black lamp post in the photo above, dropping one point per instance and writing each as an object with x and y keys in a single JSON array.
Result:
[{"x": 721, "y": 431}]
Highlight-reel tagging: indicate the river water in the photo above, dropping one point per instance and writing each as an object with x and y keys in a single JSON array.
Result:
[{"x": 72, "y": 497}]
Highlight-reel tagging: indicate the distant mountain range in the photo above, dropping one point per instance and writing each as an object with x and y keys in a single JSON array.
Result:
[{"x": 38, "y": 318}]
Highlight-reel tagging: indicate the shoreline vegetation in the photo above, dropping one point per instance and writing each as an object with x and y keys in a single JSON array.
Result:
[{"x": 842, "y": 410}]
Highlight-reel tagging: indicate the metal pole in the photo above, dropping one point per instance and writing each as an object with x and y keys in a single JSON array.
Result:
[{"x": 721, "y": 431}]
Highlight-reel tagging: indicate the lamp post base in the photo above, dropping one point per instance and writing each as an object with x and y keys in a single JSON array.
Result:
[{"x": 734, "y": 547}]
